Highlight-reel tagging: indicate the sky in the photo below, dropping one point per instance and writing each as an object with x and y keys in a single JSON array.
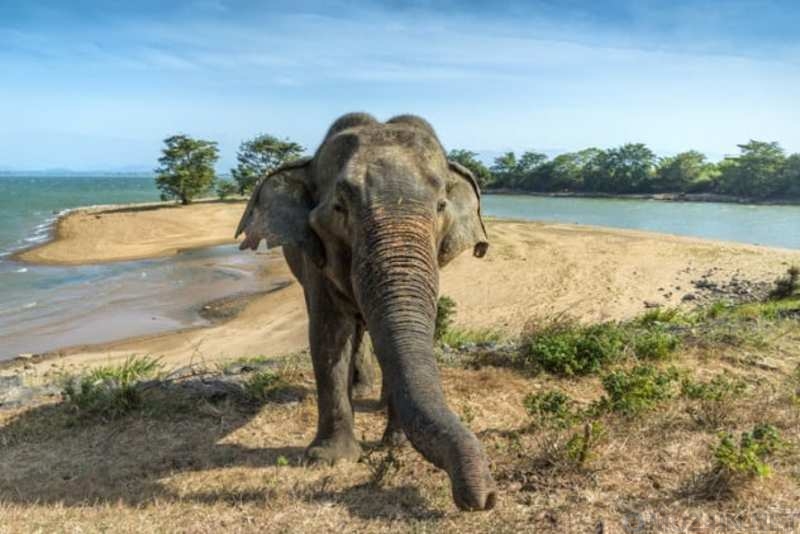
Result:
[{"x": 98, "y": 84}]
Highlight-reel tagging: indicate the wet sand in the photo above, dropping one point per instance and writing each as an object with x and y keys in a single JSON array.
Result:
[{"x": 532, "y": 271}]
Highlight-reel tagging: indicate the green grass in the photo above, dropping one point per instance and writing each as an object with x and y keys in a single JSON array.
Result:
[
  {"x": 461, "y": 337},
  {"x": 445, "y": 313},
  {"x": 263, "y": 386},
  {"x": 109, "y": 391}
]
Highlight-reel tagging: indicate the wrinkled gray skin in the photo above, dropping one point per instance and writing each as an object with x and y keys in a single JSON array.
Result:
[{"x": 365, "y": 225}]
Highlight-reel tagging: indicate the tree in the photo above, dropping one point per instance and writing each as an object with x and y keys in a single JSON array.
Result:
[
  {"x": 260, "y": 155},
  {"x": 684, "y": 172},
  {"x": 758, "y": 171},
  {"x": 532, "y": 171},
  {"x": 791, "y": 176},
  {"x": 627, "y": 169},
  {"x": 504, "y": 170},
  {"x": 468, "y": 159},
  {"x": 187, "y": 168},
  {"x": 567, "y": 170},
  {"x": 225, "y": 189}
]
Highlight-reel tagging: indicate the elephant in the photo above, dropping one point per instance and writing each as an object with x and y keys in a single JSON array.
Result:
[{"x": 365, "y": 224}]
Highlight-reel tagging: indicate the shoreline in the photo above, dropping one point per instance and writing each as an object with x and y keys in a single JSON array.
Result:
[
  {"x": 662, "y": 197},
  {"x": 59, "y": 233},
  {"x": 533, "y": 269}
]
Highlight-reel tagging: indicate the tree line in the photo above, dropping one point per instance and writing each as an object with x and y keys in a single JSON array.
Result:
[
  {"x": 761, "y": 170},
  {"x": 186, "y": 166}
]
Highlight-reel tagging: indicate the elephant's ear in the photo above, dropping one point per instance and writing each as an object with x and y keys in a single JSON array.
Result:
[
  {"x": 466, "y": 228},
  {"x": 278, "y": 212}
]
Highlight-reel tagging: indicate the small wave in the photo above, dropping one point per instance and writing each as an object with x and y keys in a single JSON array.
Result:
[
  {"x": 29, "y": 305},
  {"x": 22, "y": 270}
]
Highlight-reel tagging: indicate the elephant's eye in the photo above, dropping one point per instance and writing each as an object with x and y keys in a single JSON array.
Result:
[
  {"x": 441, "y": 206},
  {"x": 338, "y": 208}
]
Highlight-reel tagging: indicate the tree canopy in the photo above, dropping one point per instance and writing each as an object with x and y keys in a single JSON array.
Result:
[
  {"x": 761, "y": 170},
  {"x": 260, "y": 155},
  {"x": 186, "y": 168},
  {"x": 470, "y": 160}
]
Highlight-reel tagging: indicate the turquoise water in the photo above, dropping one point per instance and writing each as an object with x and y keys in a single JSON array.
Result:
[
  {"x": 29, "y": 203},
  {"x": 49, "y": 307},
  {"x": 774, "y": 226},
  {"x": 44, "y": 308}
]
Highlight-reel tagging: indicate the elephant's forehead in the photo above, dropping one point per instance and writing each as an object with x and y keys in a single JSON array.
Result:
[{"x": 360, "y": 152}]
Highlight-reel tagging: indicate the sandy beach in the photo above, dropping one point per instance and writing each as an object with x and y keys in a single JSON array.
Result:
[
  {"x": 532, "y": 271},
  {"x": 105, "y": 234}
]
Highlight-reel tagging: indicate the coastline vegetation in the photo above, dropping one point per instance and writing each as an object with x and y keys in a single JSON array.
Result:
[{"x": 761, "y": 171}]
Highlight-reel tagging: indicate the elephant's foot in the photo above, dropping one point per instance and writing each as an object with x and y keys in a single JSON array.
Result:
[{"x": 342, "y": 447}]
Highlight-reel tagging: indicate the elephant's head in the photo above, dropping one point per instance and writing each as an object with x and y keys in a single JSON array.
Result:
[{"x": 380, "y": 209}]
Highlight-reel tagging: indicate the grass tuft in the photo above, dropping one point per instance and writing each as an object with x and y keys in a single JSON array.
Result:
[{"x": 109, "y": 391}]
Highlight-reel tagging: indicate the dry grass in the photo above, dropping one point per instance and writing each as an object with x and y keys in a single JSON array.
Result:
[{"x": 204, "y": 467}]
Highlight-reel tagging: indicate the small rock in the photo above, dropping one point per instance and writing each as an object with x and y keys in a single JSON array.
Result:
[
  {"x": 651, "y": 304},
  {"x": 689, "y": 296}
]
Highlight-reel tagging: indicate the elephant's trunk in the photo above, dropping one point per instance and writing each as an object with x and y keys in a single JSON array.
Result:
[{"x": 396, "y": 284}]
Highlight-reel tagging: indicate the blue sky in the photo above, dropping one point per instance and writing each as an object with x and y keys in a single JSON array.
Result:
[{"x": 98, "y": 84}]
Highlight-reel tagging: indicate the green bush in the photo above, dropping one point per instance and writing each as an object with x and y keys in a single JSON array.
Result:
[
  {"x": 109, "y": 391},
  {"x": 565, "y": 348},
  {"x": 750, "y": 456},
  {"x": 641, "y": 388},
  {"x": 655, "y": 344},
  {"x": 552, "y": 408},
  {"x": 445, "y": 311},
  {"x": 721, "y": 387},
  {"x": 787, "y": 286}
]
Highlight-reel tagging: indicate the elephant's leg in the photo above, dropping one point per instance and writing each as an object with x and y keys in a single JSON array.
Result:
[
  {"x": 363, "y": 368},
  {"x": 333, "y": 337}
]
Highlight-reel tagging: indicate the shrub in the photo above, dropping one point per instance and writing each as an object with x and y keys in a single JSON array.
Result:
[
  {"x": 721, "y": 387},
  {"x": 788, "y": 285},
  {"x": 655, "y": 344},
  {"x": 110, "y": 391},
  {"x": 445, "y": 311},
  {"x": 552, "y": 408},
  {"x": 565, "y": 348},
  {"x": 264, "y": 385},
  {"x": 749, "y": 457},
  {"x": 580, "y": 447},
  {"x": 631, "y": 392},
  {"x": 713, "y": 398}
]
